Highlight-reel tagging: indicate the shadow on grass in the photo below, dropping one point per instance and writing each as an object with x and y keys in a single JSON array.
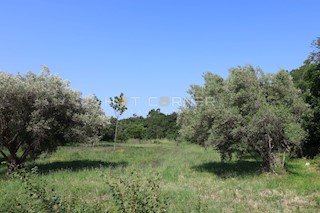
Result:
[
  {"x": 3, "y": 171},
  {"x": 231, "y": 169},
  {"x": 122, "y": 146},
  {"x": 77, "y": 165}
]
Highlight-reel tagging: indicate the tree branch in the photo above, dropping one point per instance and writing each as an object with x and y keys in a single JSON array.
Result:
[
  {"x": 25, "y": 154},
  {"x": 18, "y": 146},
  {"x": 14, "y": 138},
  {"x": 4, "y": 155}
]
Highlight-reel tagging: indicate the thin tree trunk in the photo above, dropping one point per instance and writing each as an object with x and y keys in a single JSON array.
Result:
[{"x": 115, "y": 135}]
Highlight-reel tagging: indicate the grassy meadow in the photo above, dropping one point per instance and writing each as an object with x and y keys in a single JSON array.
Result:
[{"x": 193, "y": 179}]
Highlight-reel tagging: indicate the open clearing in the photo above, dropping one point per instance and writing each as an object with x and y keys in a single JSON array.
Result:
[{"x": 192, "y": 178}]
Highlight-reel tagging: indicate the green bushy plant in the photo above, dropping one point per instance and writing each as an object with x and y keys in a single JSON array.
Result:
[
  {"x": 137, "y": 194},
  {"x": 37, "y": 196}
]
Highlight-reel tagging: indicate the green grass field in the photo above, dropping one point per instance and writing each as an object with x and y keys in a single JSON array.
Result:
[{"x": 192, "y": 178}]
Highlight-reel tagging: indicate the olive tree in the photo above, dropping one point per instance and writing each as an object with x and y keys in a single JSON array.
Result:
[
  {"x": 92, "y": 119},
  {"x": 249, "y": 112},
  {"x": 39, "y": 113}
]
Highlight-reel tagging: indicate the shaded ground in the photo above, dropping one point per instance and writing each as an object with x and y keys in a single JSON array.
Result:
[{"x": 231, "y": 169}]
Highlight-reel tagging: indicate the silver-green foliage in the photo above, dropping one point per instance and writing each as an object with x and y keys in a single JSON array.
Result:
[
  {"x": 40, "y": 112},
  {"x": 249, "y": 112},
  {"x": 92, "y": 120}
]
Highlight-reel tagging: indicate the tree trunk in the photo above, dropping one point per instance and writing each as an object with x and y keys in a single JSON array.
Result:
[
  {"x": 13, "y": 164},
  {"x": 115, "y": 135},
  {"x": 271, "y": 157},
  {"x": 272, "y": 162}
]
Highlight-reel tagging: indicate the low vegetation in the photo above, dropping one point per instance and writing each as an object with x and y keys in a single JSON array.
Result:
[{"x": 190, "y": 179}]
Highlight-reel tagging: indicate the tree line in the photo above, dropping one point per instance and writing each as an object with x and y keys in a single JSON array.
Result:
[
  {"x": 307, "y": 79},
  {"x": 156, "y": 125}
]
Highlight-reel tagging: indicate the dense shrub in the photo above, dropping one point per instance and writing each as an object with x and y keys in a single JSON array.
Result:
[
  {"x": 137, "y": 194},
  {"x": 38, "y": 197}
]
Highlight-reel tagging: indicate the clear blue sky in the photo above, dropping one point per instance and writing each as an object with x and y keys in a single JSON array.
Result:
[{"x": 152, "y": 48}]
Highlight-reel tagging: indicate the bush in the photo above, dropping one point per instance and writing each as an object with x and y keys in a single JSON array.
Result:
[
  {"x": 138, "y": 194},
  {"x": 132, "y": 194},
  {"x": 38, "y": 197}
]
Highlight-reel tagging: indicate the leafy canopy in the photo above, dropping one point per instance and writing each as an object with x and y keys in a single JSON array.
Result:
[
  {"x": 40, "y": 112},
  {"x": 249, "y": 112}
]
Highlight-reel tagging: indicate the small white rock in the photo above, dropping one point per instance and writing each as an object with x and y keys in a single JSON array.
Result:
[{"x": 307, "y": 164}]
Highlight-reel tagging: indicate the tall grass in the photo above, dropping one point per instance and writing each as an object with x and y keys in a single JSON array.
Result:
[{"x": 193, "y": 179}]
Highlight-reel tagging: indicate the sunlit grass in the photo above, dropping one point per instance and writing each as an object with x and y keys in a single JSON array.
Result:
[{"x": 192, "y": 178}]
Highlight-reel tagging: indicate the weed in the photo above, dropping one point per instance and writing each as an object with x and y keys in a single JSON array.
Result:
[{"x": 136, "y": 193}]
